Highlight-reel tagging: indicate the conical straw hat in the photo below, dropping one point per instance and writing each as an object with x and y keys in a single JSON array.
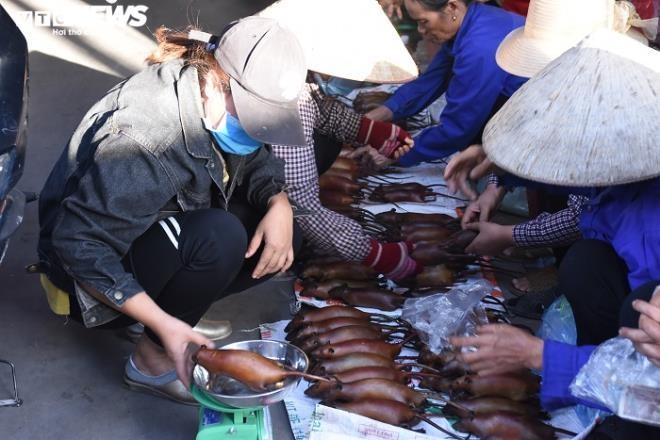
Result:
[
  {"x": 551, "y": 28},
  {"x": 590, "y": 118},
  {"x": 350, "y": 39}
]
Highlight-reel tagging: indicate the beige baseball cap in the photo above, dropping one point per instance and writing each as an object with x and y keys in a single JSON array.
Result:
[{"x": 267, "y": 71}]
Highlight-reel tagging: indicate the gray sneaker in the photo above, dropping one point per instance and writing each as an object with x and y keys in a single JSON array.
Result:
[{"x": 166, "y": 385}]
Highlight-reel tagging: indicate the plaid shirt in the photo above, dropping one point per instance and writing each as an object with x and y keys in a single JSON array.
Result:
[
  {"x": 558, "y": 229},
  {"x": 325, "y": 229}
]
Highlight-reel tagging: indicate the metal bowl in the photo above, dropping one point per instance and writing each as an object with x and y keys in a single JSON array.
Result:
[{"x": 233, "y": 393}]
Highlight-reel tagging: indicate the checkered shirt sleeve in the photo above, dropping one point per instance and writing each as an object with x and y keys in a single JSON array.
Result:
[
  {"x": 335, "y": 119},
  {"x": 492, "y": 179},
  {"x": 331, "y": 232},
  {"x": 558, "y": 229}
]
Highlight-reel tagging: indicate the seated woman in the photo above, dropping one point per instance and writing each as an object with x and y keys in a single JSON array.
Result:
[
  {"x": 166, "y": 200},
  {"x": 464, "y": 69}
]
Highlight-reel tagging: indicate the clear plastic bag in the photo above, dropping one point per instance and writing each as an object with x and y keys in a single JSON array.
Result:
[
  {"x": 622, "y": 379},
  {"x": 455, "y": 313}
]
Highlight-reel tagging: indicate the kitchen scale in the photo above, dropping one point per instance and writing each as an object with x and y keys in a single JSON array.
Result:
[
  {"x": 231, "y": 411},
  {"x": 220, "y": 421}
]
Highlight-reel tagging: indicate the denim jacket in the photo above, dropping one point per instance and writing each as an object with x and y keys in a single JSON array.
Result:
[{"x": 139, "y": 154}]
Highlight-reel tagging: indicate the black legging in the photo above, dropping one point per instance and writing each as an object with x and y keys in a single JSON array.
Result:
[
  {"x": 594, "y": 279},
  {"x": 207, "y": 263}
]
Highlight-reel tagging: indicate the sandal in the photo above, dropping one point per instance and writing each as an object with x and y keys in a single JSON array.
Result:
[
  {"x": 165, "y": 385},
  {"x": 531, "y": 305}
]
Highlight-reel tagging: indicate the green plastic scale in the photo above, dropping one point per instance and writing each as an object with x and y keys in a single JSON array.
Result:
[{"x": 218, "y": 421}]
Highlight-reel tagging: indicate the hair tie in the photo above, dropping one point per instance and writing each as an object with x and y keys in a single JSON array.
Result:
[{"x": 204, "y": 37}]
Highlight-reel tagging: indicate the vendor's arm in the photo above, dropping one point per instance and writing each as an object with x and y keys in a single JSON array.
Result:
[
  {"x": 344, "y": 124},
  {"x": 561, "y": 363},
  {"x": 415, "y": 96},
  {"x": 473, "y": 90},
  {"x": 502, "y": 348},
  {"x": 558, "y": 229},
  {"x": 326, "y": 229}
]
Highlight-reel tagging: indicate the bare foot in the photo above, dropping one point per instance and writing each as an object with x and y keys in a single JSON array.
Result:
[{"x": 150, "y": 358}]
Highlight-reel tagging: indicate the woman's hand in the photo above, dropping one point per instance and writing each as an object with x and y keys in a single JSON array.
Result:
[
  {"x": 482, "y": 208},
  {"x": 178, "y": 339},
  {"x": 276, "y": 232},
  {"x": 180, "y": 342},
  {"x": 469, "y": 164},
  {"x": 370, "y": 158},
  {"x": 646, "y": 338},
  {"x": 492, "y": 238},
  {"x": 501, "y": 348},
  {"x": 392, "y": 8}
]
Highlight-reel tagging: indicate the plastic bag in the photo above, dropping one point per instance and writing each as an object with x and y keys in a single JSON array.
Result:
[
  {"x": 622, "y": 379},
  {"x": 558, "y": 323},
  {"x": 455, "y": 313}
]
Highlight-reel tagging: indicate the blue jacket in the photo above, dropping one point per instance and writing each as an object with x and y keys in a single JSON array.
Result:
[
  {"x": 561, "y": 363},
  {"x": 628, "y": 218},
  {"x": 466, "y": 70}
]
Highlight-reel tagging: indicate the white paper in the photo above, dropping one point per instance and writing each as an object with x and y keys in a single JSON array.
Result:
[
  {"x": 329, "y": 423},
  {"x": 425, "y": 174}
]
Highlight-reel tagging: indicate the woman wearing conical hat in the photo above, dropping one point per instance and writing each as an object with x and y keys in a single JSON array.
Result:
[
  {"x": 464, "y": 69},
  {"x": 595, "y": 133}
]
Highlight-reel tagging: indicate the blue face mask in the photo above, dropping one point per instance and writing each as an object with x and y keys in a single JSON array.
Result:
[
  {"x": 231, "y": 138},
  {"x": 336, "y": 86}
]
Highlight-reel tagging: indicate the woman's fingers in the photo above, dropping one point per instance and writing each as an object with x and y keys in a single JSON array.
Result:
[
  {"x": 264, "y": 262},
  {"x": 481, "y": 169},
  {"x": 635, "y": 335},
  {"x": 289, "y": 260},
  {"x": 257, "y": 238},
  {"x": 647, "y": 309}
]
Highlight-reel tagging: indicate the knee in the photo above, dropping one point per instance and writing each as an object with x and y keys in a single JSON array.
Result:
[
  {"x": 585, "y": 258},
  {"x": 213, "y": 238}
]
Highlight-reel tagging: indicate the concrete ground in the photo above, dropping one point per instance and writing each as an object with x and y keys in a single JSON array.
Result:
[{"x": 70, "y": 379}]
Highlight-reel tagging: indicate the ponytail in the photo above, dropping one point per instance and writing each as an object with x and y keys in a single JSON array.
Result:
[{"x": 174, "y": 44}]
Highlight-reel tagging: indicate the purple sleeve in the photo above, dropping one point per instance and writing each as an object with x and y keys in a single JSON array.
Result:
[{"x": 561, "y": 363}]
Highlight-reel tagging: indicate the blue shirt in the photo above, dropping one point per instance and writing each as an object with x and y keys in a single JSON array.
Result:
[
  {"x": 628, "y": 218},
  {"x": 466, "y": 70},
  {"x": 561, "y": 363}
]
